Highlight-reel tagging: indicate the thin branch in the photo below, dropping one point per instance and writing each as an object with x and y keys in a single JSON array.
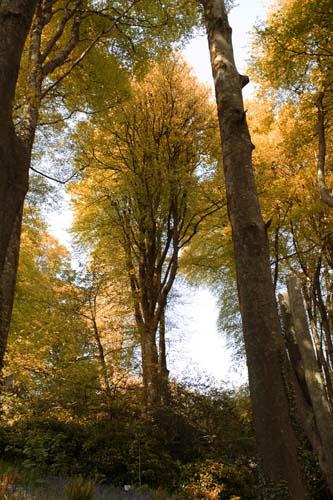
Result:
[
  {"x": 55, "y": 179},
  {"x": 197, "y": 224}
]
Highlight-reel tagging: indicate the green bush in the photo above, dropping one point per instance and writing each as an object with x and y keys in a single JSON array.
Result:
[{"x": 197, "y": 427}]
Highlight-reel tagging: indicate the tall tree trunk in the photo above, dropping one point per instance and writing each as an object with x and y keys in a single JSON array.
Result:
[
  {"x": 15, "y": 21},
  {"x": 292, "y": 346},
  {"x": 305, "y": 410},
  {"x": 313, "y": 376},
  {"x": 151, "y": 367},
  {"x": 104, "y": 366},
  {"x": 321, "y": 360},
  {"x": 7, "y": 286},
  {"x": 324, "y": 318},
  {"x": 163, "y": 369},
  {"x": 325, "y": 194},
  {"x": 276, "y": 441}
]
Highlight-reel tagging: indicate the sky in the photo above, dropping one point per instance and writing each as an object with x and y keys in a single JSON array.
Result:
[{"x": 196, "y": 348}]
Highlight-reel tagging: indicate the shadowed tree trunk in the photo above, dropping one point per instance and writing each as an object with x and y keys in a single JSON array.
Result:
[
  {"x": 163, "y": 369},
  {"x": 15, "y": 20},
  {"x": 292, "y": 346},
  {"x": 7, "y": 286},
  {"x": 313, "y": 377},
  {"x": 276, "y": 441},
  {"x": 305, "y": 410},
  {"x": 325, "y": 194}
]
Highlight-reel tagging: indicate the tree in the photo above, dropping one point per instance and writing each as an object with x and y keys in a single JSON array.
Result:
[
  {"x": 63, "y": 34},
  {"x": 276, "y": 440},
  {"x": 102, "y": 301},
  {"x": 293, "y": 64},
  {"x": 15, "y": 20},
  {"x": 49, "y": 363},
  {"x": 147, "y": 190},
  {"x": 294, "y": 56}
]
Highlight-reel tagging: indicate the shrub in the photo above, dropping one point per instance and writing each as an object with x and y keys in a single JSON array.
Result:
[{"x": 215, "y": 480}]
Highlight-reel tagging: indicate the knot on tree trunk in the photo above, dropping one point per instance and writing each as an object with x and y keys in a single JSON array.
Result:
[{"x": 244, "y": 80}]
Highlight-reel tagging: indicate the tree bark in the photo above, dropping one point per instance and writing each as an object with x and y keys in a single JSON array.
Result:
[
  {"x": 276, "y": 441},
  {"x": 292, "y": 346},
  {"x": 163, "y": 369},
  {"x": 325, "y": 194},
  {"x": 323, "y": 313},
  {"x": 16, "y": 146},
  {"x": 151, "y": 367},
  {"x": 313, "y": 376},
  {"x": 321, "y": 360},
  {"x": 7, "y": 286},
  {"x": 305, "y": 411},
  {"x": 103, "y": 363},
  {"x": 15, "y": 21}
]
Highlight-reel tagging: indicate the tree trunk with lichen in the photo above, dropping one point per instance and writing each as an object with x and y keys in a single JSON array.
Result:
[{"x": 276, "y": 441}]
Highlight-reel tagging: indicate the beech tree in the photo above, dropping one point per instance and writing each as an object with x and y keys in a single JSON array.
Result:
[
  {"x": 276, "y": 440},
  {"x": 15, "y": 20},
  {"x": 294, "y": 57},
  {"x": 147, "y": 191},
  {"x": 46, "y": 363},
  {"x": 292, "y": 63}
]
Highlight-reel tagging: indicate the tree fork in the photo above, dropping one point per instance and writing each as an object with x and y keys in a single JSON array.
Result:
[{"x": 276, "y": 441}]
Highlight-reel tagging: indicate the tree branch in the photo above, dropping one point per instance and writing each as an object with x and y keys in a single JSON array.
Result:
[{"x": 325, "y": 194}]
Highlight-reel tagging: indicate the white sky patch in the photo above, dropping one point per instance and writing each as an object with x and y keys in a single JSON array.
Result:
[
  {"x": 205, "y": 346},
  {"x": 60, "y": 221},
  {"x": 195, "y": 348}
]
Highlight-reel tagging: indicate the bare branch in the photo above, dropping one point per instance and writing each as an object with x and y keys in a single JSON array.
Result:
[{"x": 60, "y": 181}]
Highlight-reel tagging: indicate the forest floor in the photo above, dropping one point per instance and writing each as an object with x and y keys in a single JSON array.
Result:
[{"x": 54, "y": 489}]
